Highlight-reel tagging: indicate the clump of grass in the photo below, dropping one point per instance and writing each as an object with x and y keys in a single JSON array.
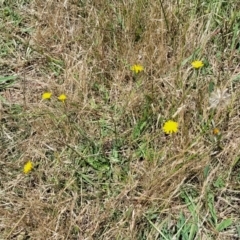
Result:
[{"x": 88, "y": 99}]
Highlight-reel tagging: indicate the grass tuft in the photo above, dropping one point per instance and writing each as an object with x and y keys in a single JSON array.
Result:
[{"x": 119, "y": 120}]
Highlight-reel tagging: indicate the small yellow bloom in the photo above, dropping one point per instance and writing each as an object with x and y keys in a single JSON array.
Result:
[
  {"x": 28, "y": 167},
  {"x": 62, "y": 97},
  {"x": 137, "y": 68},
  {"x": 197, "y": 64},
  {"x": 216, "y": 131},
  {"x": 170, "y": 127},
  {"x": 46, "y": 95}
]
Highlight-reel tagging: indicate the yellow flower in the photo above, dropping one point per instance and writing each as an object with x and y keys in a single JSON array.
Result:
[
  {"x": 216, "y": 131},
  {"x": 46, "y": 95},
  {"x": 137, "y": 68},
  {"x": 197, "y": 64},
  {"x": 62, "y": 97},
  {"x": 170, "y": 127},
  {"x": 28, "y": 167}
]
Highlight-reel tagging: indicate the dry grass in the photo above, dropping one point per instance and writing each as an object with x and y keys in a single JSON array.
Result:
[{"x": 103, "y": 167}]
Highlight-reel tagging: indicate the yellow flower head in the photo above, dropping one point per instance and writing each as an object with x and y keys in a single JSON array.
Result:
[
  {"x": 216, "y": 131},
  {"x": 62, "y": 97},
  {"x": 137, "y": 68},
  {"x": 28, "y": 167},
  {"x": 170, "y": 127},
  {"x": 197, "y": 64},
  {"x": 46, "y": 95}
]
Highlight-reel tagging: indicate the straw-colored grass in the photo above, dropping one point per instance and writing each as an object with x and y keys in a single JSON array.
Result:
[{"x": 103, "y": 167}]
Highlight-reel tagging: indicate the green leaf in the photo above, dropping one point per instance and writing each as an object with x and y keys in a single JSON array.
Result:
[
  {"x": 206, "y": 171},
  {"x": 3, "y": 99},
  {"x": 224, "y": 224},
  {"x": 192, "y": 231},
  {"x": 98, "y": 165},
  {"x": 211, "y": 207},
  {"x": 236, "y": 78},
  {"x": 5, "y": 79},
  {"x": 211, "y": 87}
]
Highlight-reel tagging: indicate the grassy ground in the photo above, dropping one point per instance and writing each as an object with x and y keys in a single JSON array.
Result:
[{"x": 103, "y": 168}]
